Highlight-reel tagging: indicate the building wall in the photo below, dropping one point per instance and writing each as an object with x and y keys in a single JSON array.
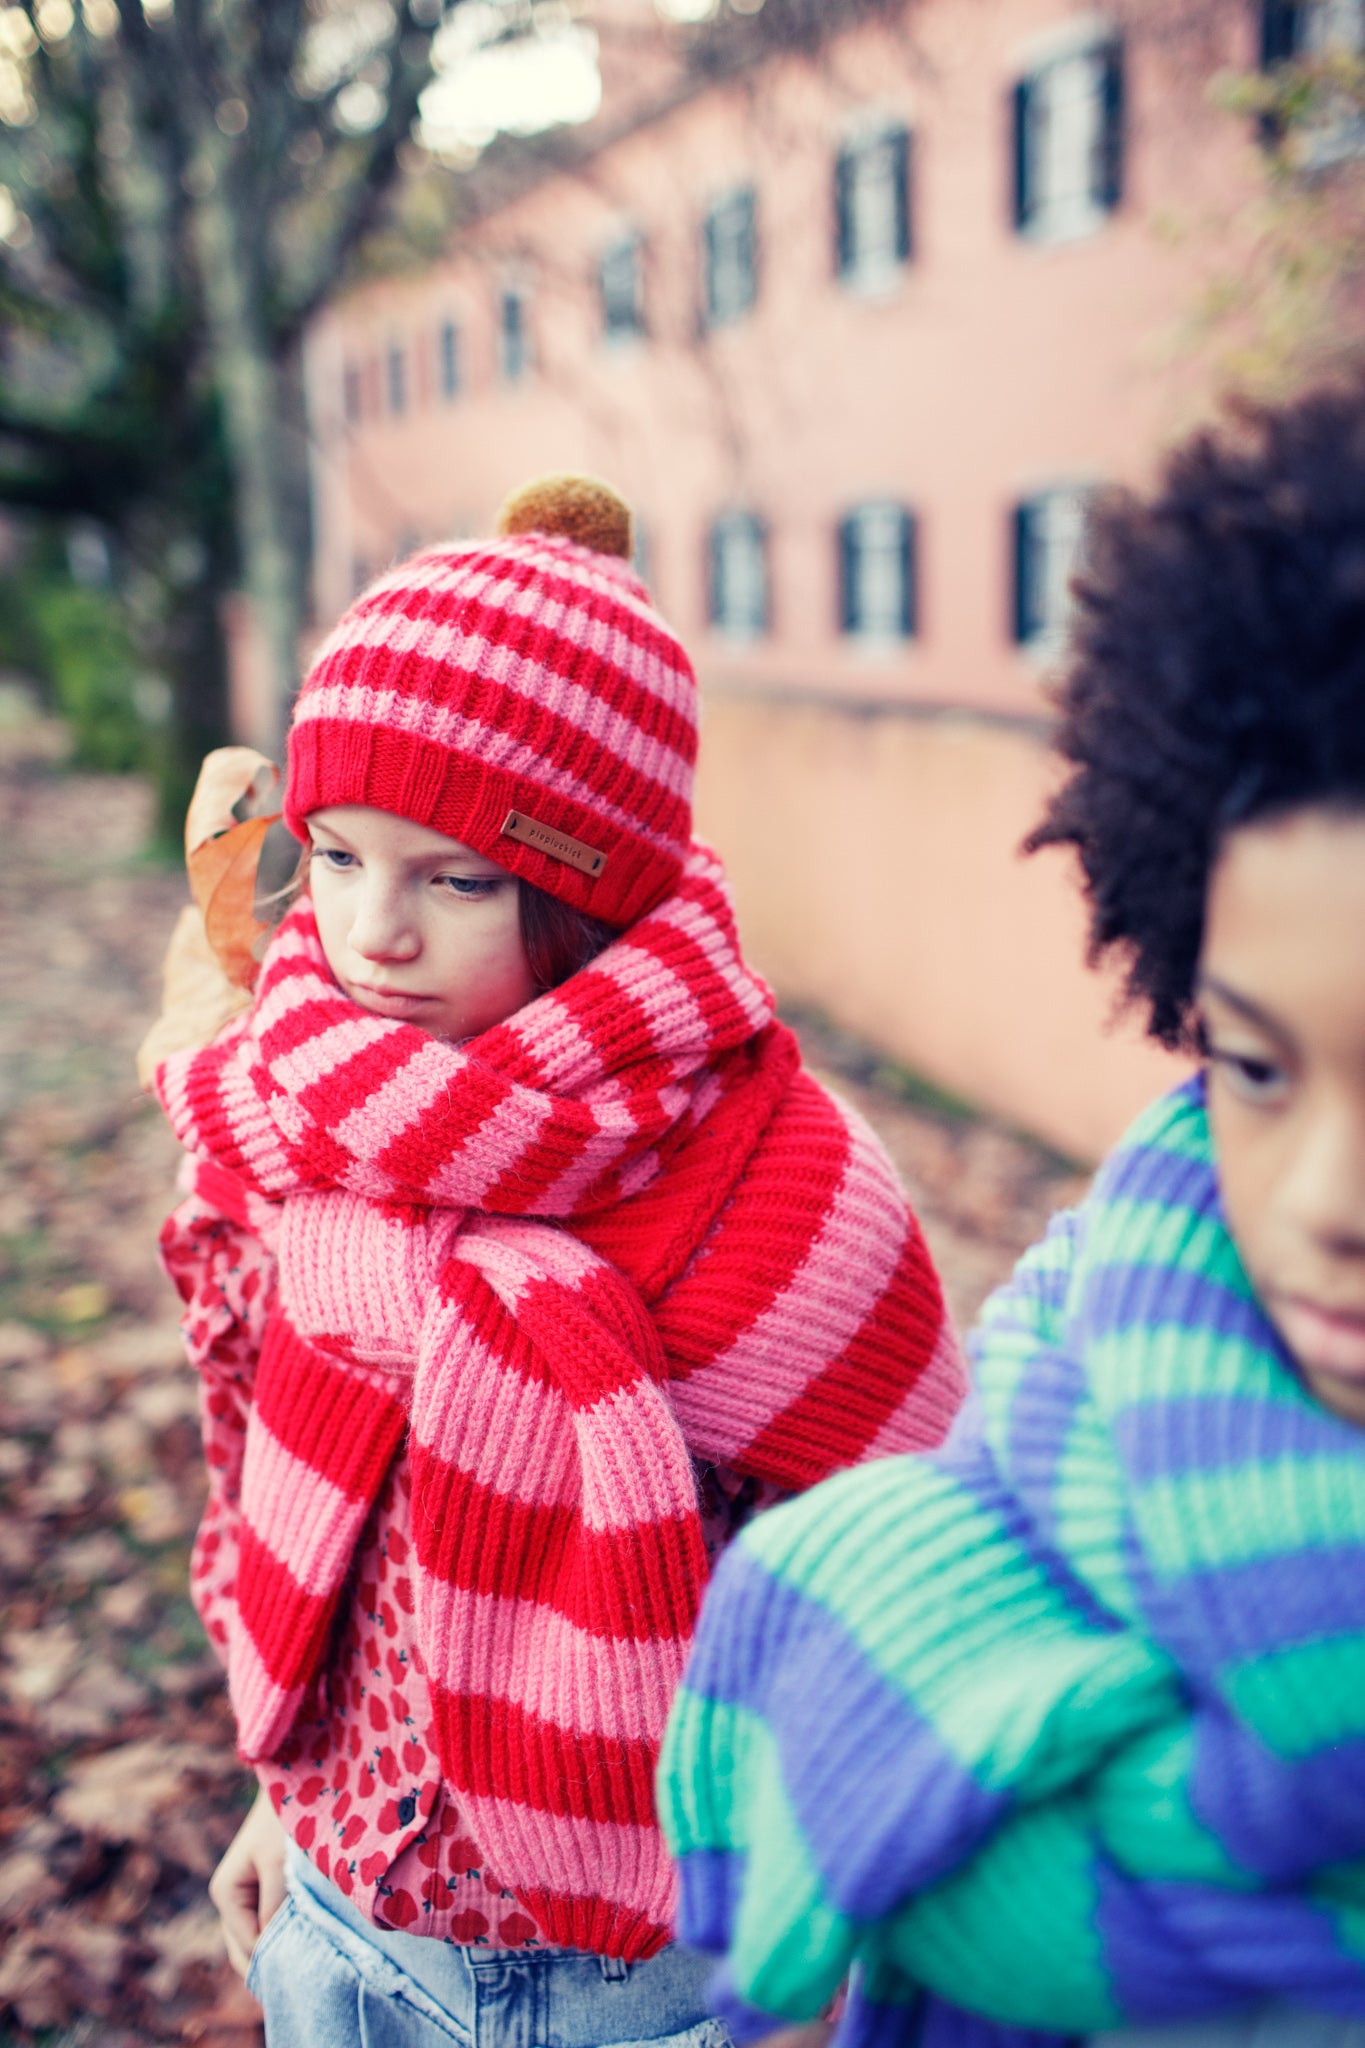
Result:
[
  {"x": 877, "y": 870},
  {"x": 867, "y": 800}
]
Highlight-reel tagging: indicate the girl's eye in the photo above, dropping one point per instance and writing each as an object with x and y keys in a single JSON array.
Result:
[
  {"x": 469, "y": 886},
  {"x": 1255, "y": 1080},
  {"x": 333, "y": 857}
]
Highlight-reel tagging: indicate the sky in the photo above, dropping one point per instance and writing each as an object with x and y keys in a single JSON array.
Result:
[
  {"x": 520, "y": 87},
  {"x": 483, "y": 87}
]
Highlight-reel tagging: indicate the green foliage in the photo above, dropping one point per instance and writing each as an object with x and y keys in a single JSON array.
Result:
[
  {"x": 1285, "y": 310},
  {"x": 90, "y": 670},
  {"x": 73, "y": 640}
]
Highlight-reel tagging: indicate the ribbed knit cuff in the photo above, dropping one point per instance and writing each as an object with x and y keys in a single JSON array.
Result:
[{"x": 344, "y": 762}]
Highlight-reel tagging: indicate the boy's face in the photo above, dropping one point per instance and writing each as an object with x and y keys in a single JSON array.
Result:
[
  {"x": 1281, "y": 995},
  {"x": 415, "y": 925}
]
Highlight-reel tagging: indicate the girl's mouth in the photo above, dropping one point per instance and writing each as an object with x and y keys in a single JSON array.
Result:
[
  {"x": 388, "y": 1002},
  {"x": 1322, "y": 1339}
]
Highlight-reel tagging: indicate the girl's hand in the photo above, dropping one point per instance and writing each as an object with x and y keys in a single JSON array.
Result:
[{"x": 248, "y": 1885}]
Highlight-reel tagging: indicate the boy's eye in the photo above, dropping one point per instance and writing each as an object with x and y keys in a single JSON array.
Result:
[
  {"x": 1255, "y": 1080},
  {"x": 333, "y": 857}
]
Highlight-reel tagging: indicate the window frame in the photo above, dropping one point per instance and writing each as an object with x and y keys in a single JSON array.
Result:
[
  {"x": 1284, "y": 27},
  {"x": 853, "y": 549},
  {"x": 748, "y": 632},
  {"x": 630, "y": 244},
  {"x": 1031, "y": 631},
  {"x": 1337, "y": 132},
  {"x": 1069, "y": 218},
  {"x": 397, "y": 381},
  {"x": 514, "y": 292},
  {"x": 856, "y": 269},
  {"x": 741, "y": 200},
  {"x": 449, "y": 366}
]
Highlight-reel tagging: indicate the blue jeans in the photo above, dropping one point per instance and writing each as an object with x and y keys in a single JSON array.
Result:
[{"x": 327, "y": 1978}]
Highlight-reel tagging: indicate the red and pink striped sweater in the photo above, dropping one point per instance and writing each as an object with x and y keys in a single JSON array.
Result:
[{"x": 469, "y": 1318}]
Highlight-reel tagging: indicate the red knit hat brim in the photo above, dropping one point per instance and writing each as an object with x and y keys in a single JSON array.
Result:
[{"x": 335, "y": 762}]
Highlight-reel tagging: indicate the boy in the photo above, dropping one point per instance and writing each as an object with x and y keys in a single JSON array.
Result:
[{"x": 1060, "y": 1730}]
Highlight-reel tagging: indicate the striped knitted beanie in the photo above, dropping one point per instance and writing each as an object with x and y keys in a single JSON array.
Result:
[{"x": 520, "y": 695}]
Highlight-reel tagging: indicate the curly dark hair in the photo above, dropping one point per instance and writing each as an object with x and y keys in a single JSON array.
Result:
[{"x": 1216, "y": 675}]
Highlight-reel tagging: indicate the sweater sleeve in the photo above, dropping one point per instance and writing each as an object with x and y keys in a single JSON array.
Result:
[
  {"x": 892, "y": 1666},
  {"x": 224, "y": 1273}
]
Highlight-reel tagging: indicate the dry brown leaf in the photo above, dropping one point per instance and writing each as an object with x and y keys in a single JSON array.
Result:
[
  {"x": 223, "y": 878},
  {"x": 34, "y": 1985},
  {"x": 129, "y": 1794},
  {"x": 26, "y": 1886},
  {"x": 210, "y": 964},
  {"x": 223, "y": 850},
  {"x": 234, "y": 2022},
  {"x": 96, "y": 1957},
  {"x": 197, "y": 1000},
  {"x": 190, "y": 1944}
]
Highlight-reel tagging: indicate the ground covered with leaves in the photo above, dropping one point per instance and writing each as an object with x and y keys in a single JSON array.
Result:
[{"x": 119, "y": 1788}]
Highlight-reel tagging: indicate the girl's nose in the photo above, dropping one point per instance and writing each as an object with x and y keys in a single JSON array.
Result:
[{"x": 382, "y": 928}]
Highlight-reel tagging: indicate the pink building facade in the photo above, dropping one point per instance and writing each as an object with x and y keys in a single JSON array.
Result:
[{"x": 856, "y": 335}]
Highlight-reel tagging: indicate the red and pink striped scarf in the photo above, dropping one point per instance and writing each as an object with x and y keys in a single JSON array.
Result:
[{"x": 620, "y": 1231}]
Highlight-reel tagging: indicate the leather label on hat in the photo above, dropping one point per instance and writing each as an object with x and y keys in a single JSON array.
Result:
[{"x": 558, "y": 845}]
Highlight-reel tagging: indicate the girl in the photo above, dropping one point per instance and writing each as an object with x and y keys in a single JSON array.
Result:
[
  {"x": 521, "y": 1261},
  {"x": 1060, "y": 1731}
]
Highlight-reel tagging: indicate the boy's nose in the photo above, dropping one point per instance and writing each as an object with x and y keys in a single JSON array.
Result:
[{"x": 1325, "y": 1184}]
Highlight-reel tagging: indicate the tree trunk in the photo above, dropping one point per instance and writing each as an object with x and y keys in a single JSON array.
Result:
[{"x": 260, "y": 444}]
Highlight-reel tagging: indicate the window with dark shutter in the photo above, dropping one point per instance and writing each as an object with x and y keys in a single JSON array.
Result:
[
  {"x": 448, "y": 358},
  {"x": 1335, "y": 126},
  {"x": 738, "y": 603},
  {"x": 843, "y": 221},
  {"x": 1067, "y": 133},
  {"x": 1024, "y": 609},
  {"x": 620, "y": 284},
  {"x": 730, "y": 256},
  {"x": 514, "y": 346},
  {"x": 1281, "y": 31},
  {"x": 877, "y": 573},
  {"x": 1048, "y": 536},
  {"x": 398, "y": 379},
  {"x": 351, "y": 394},
  {"x": 872, "y": 208},
  {"x": 1109, "y": 152},
  {"x": 1022, "y": 151}
]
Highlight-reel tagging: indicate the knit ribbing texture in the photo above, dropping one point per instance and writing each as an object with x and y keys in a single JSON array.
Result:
[
  {"x": 526, "y": 674},
  {"x": 1062, "y": 1726},
  {"x": 549, "y": 1268}
]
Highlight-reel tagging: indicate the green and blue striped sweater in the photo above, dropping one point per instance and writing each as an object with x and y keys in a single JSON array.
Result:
[{"x": 1061, "y": 1726}]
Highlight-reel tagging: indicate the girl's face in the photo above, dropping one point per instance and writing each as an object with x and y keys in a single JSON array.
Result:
[
  {"x": 1281, "y": 994},
  {"x": 415, "y": 925}
]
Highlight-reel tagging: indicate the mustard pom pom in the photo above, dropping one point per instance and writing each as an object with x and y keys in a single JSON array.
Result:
[{"x": 582, "y": 508}]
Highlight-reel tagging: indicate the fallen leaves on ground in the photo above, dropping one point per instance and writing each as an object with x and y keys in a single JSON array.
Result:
[{"x": 119, "y": 1787}]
